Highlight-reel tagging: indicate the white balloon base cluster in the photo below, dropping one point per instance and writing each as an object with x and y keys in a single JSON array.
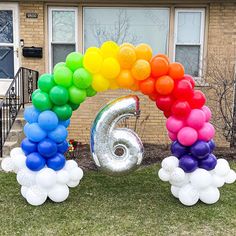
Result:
[
  {"x": 201, "y": 184},
  {"x": 36, "y": 186}
]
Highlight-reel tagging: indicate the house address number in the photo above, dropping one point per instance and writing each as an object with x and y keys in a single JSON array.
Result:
[{"x": 32, "y": 15}]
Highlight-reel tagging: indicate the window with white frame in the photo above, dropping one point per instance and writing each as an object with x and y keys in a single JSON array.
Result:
[
  {"x": 63, "y": 37},
  {"x": 189, "y": 38},
  {"x": 127, "y": 24}
]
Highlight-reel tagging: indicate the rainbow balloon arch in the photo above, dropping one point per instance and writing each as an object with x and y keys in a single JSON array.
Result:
[{"x": 42, "y": 170}]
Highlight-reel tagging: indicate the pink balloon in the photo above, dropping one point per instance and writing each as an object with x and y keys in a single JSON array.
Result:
[
  {"x": 187, "y": 136},
  {"x": 174, "y": 125},
  {"x": 196, "y": 119},
  {"x": 172, "y": 136},
  {"x": 207, "y": 112},
  {"x": 207, "y": 132}
]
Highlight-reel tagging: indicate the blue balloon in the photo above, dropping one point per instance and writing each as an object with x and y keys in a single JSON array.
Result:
[
  {"x": 209, "y": 163},
  {"x": 34, "y": 133},
  {"x": 65, "y": 123},
  {"x": 62, "y": 147},
  {"x": 48, "y": 120},
  {"x": 188, "y": 163},
  {"x": 212, "y": 145},
  {"x": 178, "y": 149},
  {"x": 57, "y": 162},
  {"x": 59, "y": 134},
  {"x": 28, "y": 146},
  {"x": 35, "y": 161},
  {"x": 31, "y": 114},
  {"x": 47, "y": 148},
  {"x": 200, "y": 149}
]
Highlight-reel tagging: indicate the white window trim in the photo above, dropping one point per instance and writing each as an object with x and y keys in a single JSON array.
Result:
[
  {"x": 201, "y": 44},
  {"x": 50, "y": 10}
]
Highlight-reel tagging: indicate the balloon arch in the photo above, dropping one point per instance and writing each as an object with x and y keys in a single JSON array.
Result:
[{"x": 193, "y": 171}]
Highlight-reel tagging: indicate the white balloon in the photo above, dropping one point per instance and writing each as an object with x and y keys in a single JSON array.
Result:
[
  {"x": 175, "y": 191},
  {"x": 26, "y": 177},
  {"x": 164, "y": 175},
  {"x": 217, "y": 181},
  {"x": 19, "y": 161},
  {"x": 23, "y": 191},
  {"x": 200, "y": 178},
  {"x": 16, "y": 151},
  {"x": 76, "y": 174},
  {"x": 70, "y": 164},
  {"x": 222, "y": 168},
  {"x": 59, "y": 193},
  {"x": 73, "y": 184},
  {"x": 231, "y": 177},
  {"x": 63, "y": 177},
  {"x": 178, "y": 175},
  {"x": 188, "y": 195},
  {"x": 36, "y": 196},
  {"x": 170, "y": 163},
  {"x": 46, "y": 178},
  {"x": 7, "y": 164},
  {"x": 181, "y": 183},
  {"x": 210, "y": 195}
]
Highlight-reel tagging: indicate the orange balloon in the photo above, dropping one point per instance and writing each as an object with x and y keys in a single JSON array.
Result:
[
  {"x": 164, "y": 57},
  {"x": 135, "y": 87},
  {"x": 164, "y": 85},
  {"x": 176, "y": 70},
  {"x": 153, "y": 96},
  {"x": 128, "y": 44},
  {"x": 159, "y": 66},
  {"x": 147, "y": 86},
  {"x": 125, "y": 79},
  {"x": 126, "y": 57},
  {"x": 143, "y": 51},
  {"x": 141, "y": 69}
]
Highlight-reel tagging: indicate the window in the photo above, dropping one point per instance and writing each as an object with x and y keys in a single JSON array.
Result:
[
  {"x": 189, "y": 36},
  {"x": 127, "y": 24},
  {"x": 62, "y": 33}
]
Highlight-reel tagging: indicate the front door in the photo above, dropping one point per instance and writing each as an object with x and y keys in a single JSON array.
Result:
[{"x": 9, "y": 41}]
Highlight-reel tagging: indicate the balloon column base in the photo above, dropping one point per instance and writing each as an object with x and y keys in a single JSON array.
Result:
[
  {"x": 200, "y": 184},
  {"x": 37, "y": 186}
]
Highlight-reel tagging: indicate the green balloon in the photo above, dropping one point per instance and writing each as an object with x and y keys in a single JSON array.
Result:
[
  {"x": 63, "y": 112},
  {"x": 35, "y": 92},
  {"x": 41, "y": 101},
  {"x": 82, "y": 79},
  {"x": 58, "y": 65},
  {"x": 90, "y": 92},
  {"x": 74, "y": 106},
  {"x": 59, "y": 95},
  {"x": 45, "y": 82},
  {"x": 74, "y": 61},
  {"x": 76, "y": 95},
  {"x": 63, "y": 76}
]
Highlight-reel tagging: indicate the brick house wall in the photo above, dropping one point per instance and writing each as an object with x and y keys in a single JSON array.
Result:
[{"x": 221, "y": 18}]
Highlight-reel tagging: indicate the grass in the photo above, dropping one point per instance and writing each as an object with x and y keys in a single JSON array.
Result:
[{"x": 138, "y": 204}]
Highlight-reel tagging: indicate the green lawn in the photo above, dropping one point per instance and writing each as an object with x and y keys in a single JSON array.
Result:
[{"x": 138, "y": 204}]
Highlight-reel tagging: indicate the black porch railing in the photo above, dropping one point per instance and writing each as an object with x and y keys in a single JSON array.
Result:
[{"x": 18, "y": 94}]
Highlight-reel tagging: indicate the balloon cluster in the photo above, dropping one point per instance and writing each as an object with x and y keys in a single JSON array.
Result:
[
  {"x": 36, "y": 186},
  {"x": 111, "y": 67},
  {"x": 198, "y": 185}
]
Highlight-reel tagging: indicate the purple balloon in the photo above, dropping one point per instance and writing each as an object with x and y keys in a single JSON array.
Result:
[
  {"x": 178, "y": 149},
  {"x": 188, "y": 163},
  {"x": 200, "y": 149},
  {"x": 208, "y": 163},
  {"x": 212, "y": 145}
]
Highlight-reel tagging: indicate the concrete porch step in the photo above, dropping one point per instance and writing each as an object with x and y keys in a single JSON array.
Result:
[{"x": 8, "y": 146}]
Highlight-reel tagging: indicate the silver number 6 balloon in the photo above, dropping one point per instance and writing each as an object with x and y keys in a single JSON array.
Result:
[{"x": 106, "y": 139}]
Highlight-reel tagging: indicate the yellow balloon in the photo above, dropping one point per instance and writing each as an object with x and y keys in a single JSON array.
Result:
[
  {"x": 93, "y": 61},
  {"x": 141, "y": 69},
  {"x": 100, "y": 83},
  {"x": 109, "y": 49},
  {"x": 113, "y": 85},
  {"x": 126, "y": 57},
  {"x": 128, "y": 44},
  {"x": 94, "y": 49},
  {"x": 110, "y": 68}
]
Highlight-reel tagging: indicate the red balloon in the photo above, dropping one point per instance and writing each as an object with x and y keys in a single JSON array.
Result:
[
  {"x": 180, "y": 108},
  {"x": 190, "y": 79},
  {"x": 167, "y": 114},
  {"x": 164, "y": 103},
  {"x": 153, "y": 96},
  {"x": 198, "y": 100},
  {"x": 183, "y": 89}
]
